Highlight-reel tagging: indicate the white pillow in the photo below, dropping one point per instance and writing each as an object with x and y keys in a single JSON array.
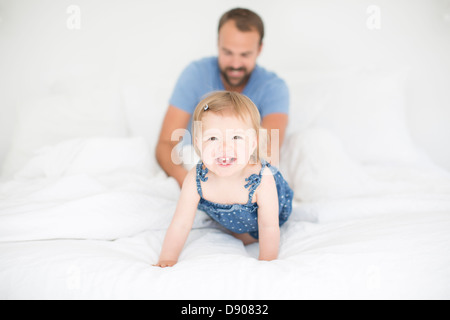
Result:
[
  {"x": 66, "y": 114},
  {"x": 317, "y": 167},
  {"x": 89, "y": 156},
  {"x": 364, "y": 109}
]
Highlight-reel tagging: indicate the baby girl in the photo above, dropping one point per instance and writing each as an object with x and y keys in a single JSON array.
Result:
[{"x": 232, "y": 184}]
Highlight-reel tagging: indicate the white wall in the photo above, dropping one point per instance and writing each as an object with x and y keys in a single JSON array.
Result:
[{"x": 147, "y": 44}]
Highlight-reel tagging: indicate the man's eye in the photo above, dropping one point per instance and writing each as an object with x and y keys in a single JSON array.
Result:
[
  {"x": 213, "y": 139},
  {"x": 237, "y": 138}
]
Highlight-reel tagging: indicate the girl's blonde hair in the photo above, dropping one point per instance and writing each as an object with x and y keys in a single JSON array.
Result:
[{"x": 221, "y": 101}]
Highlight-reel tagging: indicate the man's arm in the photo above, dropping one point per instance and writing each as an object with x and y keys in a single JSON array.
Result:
[
  {"x": 175, "y": 119},
  {"x": 275, "y": 121}
]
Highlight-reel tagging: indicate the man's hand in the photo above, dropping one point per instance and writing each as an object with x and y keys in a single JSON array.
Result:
[{"x": 275, "y": 121}]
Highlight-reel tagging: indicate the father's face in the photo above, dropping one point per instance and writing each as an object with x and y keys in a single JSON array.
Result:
[{"x": 238, "y": 52}]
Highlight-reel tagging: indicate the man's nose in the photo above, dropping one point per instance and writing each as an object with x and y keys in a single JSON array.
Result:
[{"x": 236, "y": 63}]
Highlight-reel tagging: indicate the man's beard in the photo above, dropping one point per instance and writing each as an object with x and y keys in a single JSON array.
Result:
[{"x": 242, "y": 80}]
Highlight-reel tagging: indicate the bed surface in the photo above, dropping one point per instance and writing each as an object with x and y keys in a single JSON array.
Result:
[
  {"x": 72, "y": 229},
  {"x": 394, "y": 257},
  {"x": 84, "y": 207}
]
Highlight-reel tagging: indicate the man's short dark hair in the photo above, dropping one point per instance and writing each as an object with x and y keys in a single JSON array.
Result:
[{"x": 246, "y": 20}]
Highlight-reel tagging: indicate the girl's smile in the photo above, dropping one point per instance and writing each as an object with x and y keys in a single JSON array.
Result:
[{"x": 225, "y": 162}]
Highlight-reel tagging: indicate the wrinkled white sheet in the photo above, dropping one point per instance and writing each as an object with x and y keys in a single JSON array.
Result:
[
  {"x": 86, "y": 219},
  {"x": 87, "y": 189},
  {"x": 394, "y": 257}
]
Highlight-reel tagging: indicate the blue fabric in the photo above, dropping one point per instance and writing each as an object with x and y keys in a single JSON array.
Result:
[
  {"x": 267, "y": 91},
  {"x": 243, "y": 218}
]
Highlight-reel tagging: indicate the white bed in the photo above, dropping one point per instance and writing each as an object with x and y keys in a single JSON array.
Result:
[{"x": 84, "y": 217}]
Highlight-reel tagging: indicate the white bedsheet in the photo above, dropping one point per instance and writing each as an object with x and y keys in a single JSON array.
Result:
[
  {"x": 395, "y": 257},
  {"x": 86, "y": 219}
]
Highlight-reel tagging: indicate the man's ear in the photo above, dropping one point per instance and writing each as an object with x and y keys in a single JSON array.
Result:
[{"x": 260, "y": 48}]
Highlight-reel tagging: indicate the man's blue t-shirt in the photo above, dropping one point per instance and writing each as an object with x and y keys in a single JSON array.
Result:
[{"x": 267, "y": 91}]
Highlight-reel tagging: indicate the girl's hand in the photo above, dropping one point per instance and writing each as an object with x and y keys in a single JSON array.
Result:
[{"x": 164, "y": 264}]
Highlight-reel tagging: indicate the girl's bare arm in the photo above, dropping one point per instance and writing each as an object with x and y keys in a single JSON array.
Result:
[
  {"x": 181, "y": 224},
  {"x": 268, "y": 221}
]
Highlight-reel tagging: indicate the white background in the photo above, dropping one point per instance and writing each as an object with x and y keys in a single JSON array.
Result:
[{"x": 146, "y": 44}]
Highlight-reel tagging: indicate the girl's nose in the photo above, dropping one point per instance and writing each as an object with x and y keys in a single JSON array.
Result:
[{"x": 226, "y": 148}]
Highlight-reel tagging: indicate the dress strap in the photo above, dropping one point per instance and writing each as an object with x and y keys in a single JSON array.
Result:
[
  {"x": 201, "y": 176},
  {"x": 254, "y": 181}
]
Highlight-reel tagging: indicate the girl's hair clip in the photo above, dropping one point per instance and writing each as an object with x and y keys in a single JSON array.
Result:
[{"x": 206, "y": 107}]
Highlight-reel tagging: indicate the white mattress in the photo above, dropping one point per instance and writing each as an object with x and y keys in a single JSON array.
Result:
[{"x": 86, "y": 219}]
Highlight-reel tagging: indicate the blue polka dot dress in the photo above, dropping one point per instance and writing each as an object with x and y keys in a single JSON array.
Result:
[{"x": 243, "y": 218}]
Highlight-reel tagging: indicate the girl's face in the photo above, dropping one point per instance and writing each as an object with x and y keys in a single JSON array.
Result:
[{"x": 226, "y": 144}]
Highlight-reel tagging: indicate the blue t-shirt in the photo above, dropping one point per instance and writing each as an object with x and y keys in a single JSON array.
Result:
[{"x": 267, "y": 91}]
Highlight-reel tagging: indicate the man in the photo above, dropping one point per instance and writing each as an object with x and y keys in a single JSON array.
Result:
[{"x": 241, "y": 34}]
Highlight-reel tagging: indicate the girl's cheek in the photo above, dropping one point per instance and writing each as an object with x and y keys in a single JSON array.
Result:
[
  {"x": 208, "y": 153},
  {"x": 241, "y": 149},
  {"x": 251, "y": 145}
]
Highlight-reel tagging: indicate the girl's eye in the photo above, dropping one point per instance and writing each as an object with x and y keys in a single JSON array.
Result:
[
  {"x": 237, "y": 138},
  {"x": 213, "y": 139}
]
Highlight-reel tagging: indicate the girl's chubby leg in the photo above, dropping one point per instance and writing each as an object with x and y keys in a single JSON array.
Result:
[{"x": 245, "y": 238}]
